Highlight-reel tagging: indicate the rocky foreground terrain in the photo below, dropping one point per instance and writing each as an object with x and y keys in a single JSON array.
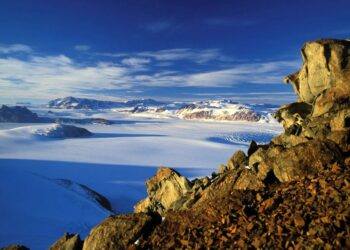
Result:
[{"x": 293, "y": 193}]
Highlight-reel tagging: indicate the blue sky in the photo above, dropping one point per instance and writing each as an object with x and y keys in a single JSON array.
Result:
[{"x": 112, "y": 49}]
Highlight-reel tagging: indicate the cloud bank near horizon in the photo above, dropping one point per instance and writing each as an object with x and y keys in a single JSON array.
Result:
[{"x": 27, "y": 74}]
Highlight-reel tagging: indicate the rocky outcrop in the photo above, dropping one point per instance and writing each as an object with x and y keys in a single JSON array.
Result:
[
  {"x": 326, "y": 65},
  {"x": 292, "y": 193},
  {"x": 167, "y": 190},
  {"x": 68, "y": 242},
  {"x": 121, "y": 231},
  {"x": 63, "y": 131},
  {"x": 18, "y": 114},
  {"x": 287, "y": 192}
]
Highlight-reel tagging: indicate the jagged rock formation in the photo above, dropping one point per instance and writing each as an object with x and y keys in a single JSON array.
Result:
[
  {"x": 121, "y": 231},
  {"x": 167, "y": 190},
  {"x": 292, "y": 193},
  {"x": 68, "y": 242},
  {"x": 252, "y": 202},
  {"x": 326, "y": 65}
]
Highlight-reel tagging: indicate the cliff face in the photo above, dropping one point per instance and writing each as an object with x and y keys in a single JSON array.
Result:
[{"x": 291, "y": 193}]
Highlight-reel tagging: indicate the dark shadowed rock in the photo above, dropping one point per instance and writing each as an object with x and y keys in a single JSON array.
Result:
[
  {"x": 18, "y": 114},
  {"x": 68, "y": 242},
  {"x": 64, "y": 131},
  {"x": 121, "y": 231}
]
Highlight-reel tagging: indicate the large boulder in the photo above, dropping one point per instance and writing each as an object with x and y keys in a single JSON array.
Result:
[
  {"x": 238, "y": 159},
  {"x": 325, "y": 66},
  {"x": 332, "y": 100},
  {"x": 68, "y": 242},
  {"x": 167, "y": 190},
  {"x": 293, "y": 115},
  {"x": 305, "y": 159},
  {"x": 121, "y": 231}
]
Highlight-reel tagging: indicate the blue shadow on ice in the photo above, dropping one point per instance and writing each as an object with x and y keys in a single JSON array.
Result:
[
  {"x": 122, "y": 122},
  {"x": 224, "y": 141},
  {"x": 123, "y": 185},
  {"x": 243, "y": 138},
  {"x": 114, "y": 135}
]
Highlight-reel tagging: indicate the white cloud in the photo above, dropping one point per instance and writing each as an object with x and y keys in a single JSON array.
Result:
[
  {"x": 14, "y": 48},
  {"x": 260, "y": 73},
  {"x": 198, "y": 56},
  {"x": 135, "y": 61},
  {"x": 82, "y": 47},
  {"x": 50, "y": 77},
  {"x": 57, "y": 76}
]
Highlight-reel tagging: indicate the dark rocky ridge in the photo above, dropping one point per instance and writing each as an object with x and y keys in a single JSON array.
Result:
[
  {"x": 21, "y": 114},
  {"x": 18, "y": 114},
  {"x": 292, "y": 193}
]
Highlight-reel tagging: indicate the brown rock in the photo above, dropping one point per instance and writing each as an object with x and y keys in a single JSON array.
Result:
[
  {"x": 222, "y": 169},
  {"x": 248, "y": 180},
  {"x": 325, "y": 65},
  {"x": 68, "y": 242},
  {"x": 332, "y": 100},
  {"x": 239, "y": 159},
  {"x": 305, "y": 159},
  {"x": 340, "y": 121},
  {"x": 120, "y": 231},
  {"x": 288, "y": 140},
  {"x": 166, "y": 191},
  {"x": 293, "y": 114},
  {"x": 257, "y": 157},
  {"x": 342, "y": 139}
]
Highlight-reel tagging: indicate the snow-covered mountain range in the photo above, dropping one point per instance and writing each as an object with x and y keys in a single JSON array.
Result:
[
  {"x": 211, "y": 110},
  {"x": 225, "y": 110},
  {"x": 84, "y": 103}
]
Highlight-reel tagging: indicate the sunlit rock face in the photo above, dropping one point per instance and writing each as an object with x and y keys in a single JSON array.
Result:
[{"x": 326, "y": 64}]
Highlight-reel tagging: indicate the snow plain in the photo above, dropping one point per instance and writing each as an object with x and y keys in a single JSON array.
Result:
[{"x": 115, "y": 162}]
